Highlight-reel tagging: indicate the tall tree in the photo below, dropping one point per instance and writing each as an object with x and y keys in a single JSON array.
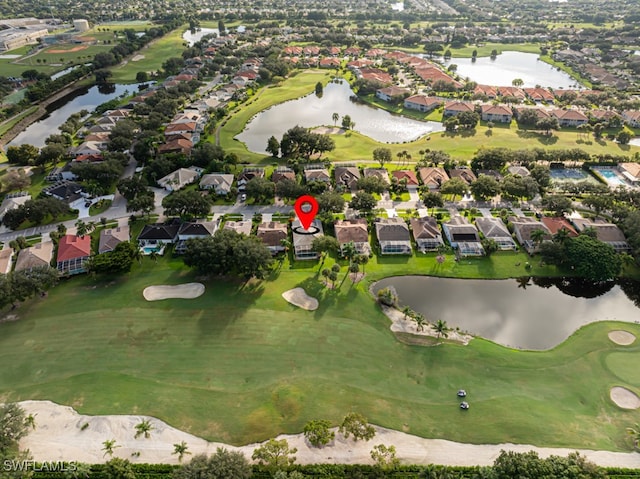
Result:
[
  {"x": 357, "y": 425},
  {"x": 275, "y": 454},
  {"x": 318, "y": 432},
  {"x": 382, "y": 156},
  {"x": 187, "y": 204}
]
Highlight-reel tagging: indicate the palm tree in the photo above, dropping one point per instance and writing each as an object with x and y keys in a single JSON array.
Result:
[
  {"x": 354, "y": 269},
  {"x": 349, "y": 251},
  {"x": 407, "y": 311},
  {"x": 180, "y": 450},
  {"x": 144, "y": 427},
  {"x": 30, "y": 421},
  {"x": 523, "y": 282},
  {"x": 363, "y": 259},
  {"x": 442, "y": 329},
  {"x": 537, "y": 236},
  {"x": 325, "y": 273},
  {"x": 420, "y": 321},
  {"x": 108, "y": 446},
  {"x": 561, "y": 236},
  {"x": 335, "y": 117}
]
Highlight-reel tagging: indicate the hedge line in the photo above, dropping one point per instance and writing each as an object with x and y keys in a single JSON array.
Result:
[{"x": 323, "y": 471}]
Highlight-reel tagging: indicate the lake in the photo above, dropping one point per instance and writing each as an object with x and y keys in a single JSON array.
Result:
[
  {"x": 535, "y": 314},
  {"x": 193, "y": 37},
  {"x": 311, "y": 111},
  {"x": 508, "y": 66},
  {"x": 60, "y": 111}
]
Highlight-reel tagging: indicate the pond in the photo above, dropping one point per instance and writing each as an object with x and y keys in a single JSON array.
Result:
[
  {"x": 508, "y": 66},
  {"x": 311, "y": 111},
  {"x": 192, "y": 37},
  {"x": 536, "y": 314},
  {"x": 60, "y": 111}
]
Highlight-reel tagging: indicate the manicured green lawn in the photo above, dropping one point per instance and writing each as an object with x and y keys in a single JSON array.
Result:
[
  {"x": 486, "y": 48},
  {"x": 154, "y": 55},
  {"x": 239, "y": 364}
]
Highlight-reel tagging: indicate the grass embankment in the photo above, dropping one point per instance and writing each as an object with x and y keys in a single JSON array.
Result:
[
  {"x": 485, "y": 49},
  {"x": 11, "y": 122},
  {"x": 239, "y": 364},
  {"x": 150, "y": 58}
]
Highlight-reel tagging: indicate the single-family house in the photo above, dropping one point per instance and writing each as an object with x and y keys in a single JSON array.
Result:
[
  {"x": 392, "y": 93},
  {"x": 604, "y": 115},
  {"x": 36, "y": 256},
  {"x": 241, "y": 227},
  {"x": 524, "y": 227},
  {"x": 189, "y": 230},
  {"x": 329, "y": 62},
  {"x": 112, "y": 237},
  {"x": 426, "y": 233},
  {"x": 555, "y": 224},
  {"x": 570, "y": 117},
  {"x": 283, "y": 173},
  {"x": 302, "y": 243},
  {"x": 405, "y": 175},
  {"x": 433, "y": 177},
  {"x": 180, "y": 178},
  {"x": 153, "y": 238},
  {"x": 454, "y": 108},
  {"x": 632, "y": 118},
  {"x": 220, "y": 183},
  {"x": 491, "y": 92},
  {"x": 512, "y": 92},
  {"x": 495, "y": 229},
  {"x": 317, "y": 174},
  {"x": 464, "y": 173},
  {"x": 247, "y": 175},
  {"x": 517, "y": 170},
  {"x": 88, "y": 148},
  {"x": 73, "y": 253},
  {"x": 272, "y": 235},
  {"x": 463, "y": 236},
  {"x": 381, "y": 173},
  {"x": 393, "y": 236},
  {"x": 6, "y": 257},
  {"x": 631, "y": 172},
  {"x": 179, "y": 145},
  {"x": 353, "y": 231},
  {"x": 539, "y": 95},
  {"x": 496, "y": 113},
  {"x": 422, "y": 103},
  {"x": 347, "y": 177},
  {"x": 605, "y": 232},
  {"x": 12, "y": 202},
  {"x": 66, "y": 191}
]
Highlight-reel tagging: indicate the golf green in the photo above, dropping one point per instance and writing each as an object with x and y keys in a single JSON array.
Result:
[{"x": 239, "y": 364}]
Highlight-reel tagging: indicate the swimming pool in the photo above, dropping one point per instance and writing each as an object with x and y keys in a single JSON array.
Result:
[
  {"x": 612, "y": 177},
  {"x": 147, "y": 250}
]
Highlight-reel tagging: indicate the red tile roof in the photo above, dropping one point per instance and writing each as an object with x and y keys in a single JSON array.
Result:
[{"x": 71, "y": 247}]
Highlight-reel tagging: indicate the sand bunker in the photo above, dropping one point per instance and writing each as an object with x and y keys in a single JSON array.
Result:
[
  {"x": 137, "y": 58},
  {"x": 624, "y": 398},
  {"x": 623, "y": 338},
  {"x": 183, "y": 291},
  {"x": 401, "y": 325},
  {"x": 59, "y": 435},
  {"x": 298, "y": 297}
]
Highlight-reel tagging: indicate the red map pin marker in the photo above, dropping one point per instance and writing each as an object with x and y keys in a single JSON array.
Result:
[{"x": 306, "y": 208}]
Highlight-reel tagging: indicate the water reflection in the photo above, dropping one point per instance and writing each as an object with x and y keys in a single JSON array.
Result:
[
  {"x": 61, "y": 110},
  {"x": 312, "y": 110},
  {"x": 528, "y": 313},
  {"x": 506, "y": 67}
]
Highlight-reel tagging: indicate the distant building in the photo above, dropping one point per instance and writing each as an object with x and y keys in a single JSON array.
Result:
[{"x": 81, "y": 25}]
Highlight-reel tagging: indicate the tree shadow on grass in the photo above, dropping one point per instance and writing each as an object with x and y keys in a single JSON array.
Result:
[
  {"x": 326, "y": 297},
  {"x": 541, "y": 137},
  {"x": 228, "y": 300}
]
